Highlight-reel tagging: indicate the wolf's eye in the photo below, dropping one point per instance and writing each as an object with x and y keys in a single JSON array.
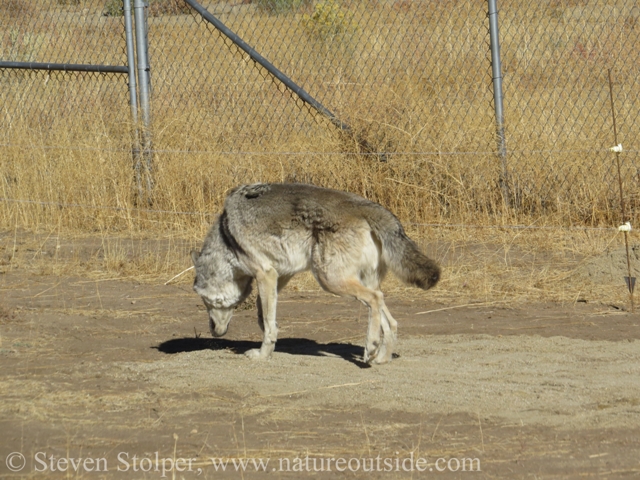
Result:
[
  {"x": 212, "y": 302},
  {"x": 207, "y": 303}
]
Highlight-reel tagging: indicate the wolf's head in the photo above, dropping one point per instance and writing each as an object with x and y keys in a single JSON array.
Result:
[{"x": 221, "y": 285}]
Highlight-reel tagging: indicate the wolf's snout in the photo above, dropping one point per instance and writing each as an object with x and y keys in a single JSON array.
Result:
[
  {"x": 435, "y": 278},
  {"x": 216, "y": 333},
  {"x": 217, "y": 330}
]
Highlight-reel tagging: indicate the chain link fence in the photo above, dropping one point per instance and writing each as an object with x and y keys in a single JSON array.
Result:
[
  {"x": 60, "y": 32},
  {"x": 409, "y": 76},
  {"x": 412, "y": 79},
  {"x": 559, "y": 126}
]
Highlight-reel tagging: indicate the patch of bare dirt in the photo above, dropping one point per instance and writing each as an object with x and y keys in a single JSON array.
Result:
[
  {"x": 611, "y": 266},
  {"x": 111, "y": 369}
]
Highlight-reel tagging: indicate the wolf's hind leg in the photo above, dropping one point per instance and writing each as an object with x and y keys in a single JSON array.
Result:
[
  {"x": 389, "y": 332},
  {"x": 388, "y": 324},
  {"x": 348, "y": 264},
  {"x": 371, "y": 298},
  {"x": 268, "y": 298}
]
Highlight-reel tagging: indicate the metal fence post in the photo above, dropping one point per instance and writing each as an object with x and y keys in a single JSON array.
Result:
[
  {"x": 144, "y": 87},
  {"x": 496, "y": 70},
  {"x": 133, "y": 94}
]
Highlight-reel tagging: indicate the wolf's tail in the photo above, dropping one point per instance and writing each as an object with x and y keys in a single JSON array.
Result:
[{"x": 405, "y": 259}]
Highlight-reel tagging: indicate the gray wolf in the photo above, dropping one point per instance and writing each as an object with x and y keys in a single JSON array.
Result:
[{"x": 270, "y": 232}]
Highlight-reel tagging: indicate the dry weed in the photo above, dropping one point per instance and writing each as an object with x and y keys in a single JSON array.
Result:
[{"x": 480, "y": 265}]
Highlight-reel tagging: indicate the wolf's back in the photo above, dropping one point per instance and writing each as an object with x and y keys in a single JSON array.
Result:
[{"x": 254, "y": 209}]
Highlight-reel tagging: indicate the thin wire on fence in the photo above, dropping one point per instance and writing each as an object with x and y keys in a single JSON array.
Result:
[
  {"x": 267, "y": 153},
  {"x": 98, "y": 207},
  {"x": 206, "y": 214}
]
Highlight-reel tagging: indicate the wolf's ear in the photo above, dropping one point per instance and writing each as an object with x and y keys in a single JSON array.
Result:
[{"x": 194, "y": 256}]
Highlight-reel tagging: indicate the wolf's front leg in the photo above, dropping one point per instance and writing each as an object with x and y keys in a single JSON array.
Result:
[
  {"x": 268, "y": 297},
  {"x": 373, "y": 342}
]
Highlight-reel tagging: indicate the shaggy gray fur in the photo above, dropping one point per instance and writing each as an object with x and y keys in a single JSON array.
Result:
[{"x": 270, "y": 232}]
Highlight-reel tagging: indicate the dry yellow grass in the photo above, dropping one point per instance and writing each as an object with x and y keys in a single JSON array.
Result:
[
  {"x": 68, "y": 172},
  {"x": 480, "y": 265}
]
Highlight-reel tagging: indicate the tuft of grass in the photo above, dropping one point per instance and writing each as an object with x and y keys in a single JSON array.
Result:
[
  {"x": 330, "y": 21},
  {"x": 157, "y": 8},
  {"x": 168, "y": 7},
  {"x": 280, "y": 7},
  {"x": 6, "y": 315},
  {"x": 114, "y": 8},
  {"x": 13, "y": 9}
]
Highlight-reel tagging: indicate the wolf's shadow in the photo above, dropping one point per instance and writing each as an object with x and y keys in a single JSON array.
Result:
[{"x": 292, "y": 346}]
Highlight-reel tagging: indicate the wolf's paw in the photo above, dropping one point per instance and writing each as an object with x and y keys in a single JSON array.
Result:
[
  {"x": 381, "y": 358},
  {"x": 371, "y": 351},
  {"x": 382, "y": 354},
  {"x": 255, "y": 354}
]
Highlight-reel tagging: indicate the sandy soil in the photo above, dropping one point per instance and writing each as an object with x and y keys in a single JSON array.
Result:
[{"x": 110, "y": 369}]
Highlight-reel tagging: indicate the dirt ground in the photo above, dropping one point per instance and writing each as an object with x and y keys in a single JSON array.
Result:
[{"x": 120, "y": 379}]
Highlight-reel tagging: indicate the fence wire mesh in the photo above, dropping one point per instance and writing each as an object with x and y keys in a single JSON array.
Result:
[
  {"x": 411, "y": 77},
  {"x": 556, "y": 56},
  {"x": 60, "y": 32},
  {"x": 391, "y": 70}
]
